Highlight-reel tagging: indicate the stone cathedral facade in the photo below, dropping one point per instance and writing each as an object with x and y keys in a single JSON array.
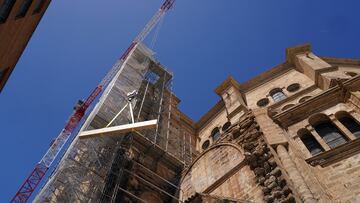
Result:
[{"x": 290, "y": 134}]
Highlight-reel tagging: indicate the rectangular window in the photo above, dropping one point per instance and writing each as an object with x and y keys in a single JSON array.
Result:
[
  {"x": 24, "y": 8},
  {"x": 39, "y": 5},
  {"x": 5, "y": 9}
]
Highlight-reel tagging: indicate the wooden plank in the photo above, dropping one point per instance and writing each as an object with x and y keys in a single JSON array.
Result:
[{"x": 121, "y": 129}]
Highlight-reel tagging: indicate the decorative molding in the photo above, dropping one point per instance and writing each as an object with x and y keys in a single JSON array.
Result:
[
  {"x": 317, "y": 103},
  {"x": 337, "y": 154}
]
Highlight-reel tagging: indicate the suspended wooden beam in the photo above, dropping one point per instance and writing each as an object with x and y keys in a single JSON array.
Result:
[{"x": 121, "y": 129}]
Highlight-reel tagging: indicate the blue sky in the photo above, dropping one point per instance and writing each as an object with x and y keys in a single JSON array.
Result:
[{"x": 201, "y": 41}]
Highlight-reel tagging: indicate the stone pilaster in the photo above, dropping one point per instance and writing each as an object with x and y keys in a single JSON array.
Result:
[
  {"x": 273, "y": 134},
  {"x": 294, "y": 174}
]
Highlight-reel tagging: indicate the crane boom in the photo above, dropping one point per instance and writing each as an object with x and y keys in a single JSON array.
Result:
[{"x": 30, "y": 184}]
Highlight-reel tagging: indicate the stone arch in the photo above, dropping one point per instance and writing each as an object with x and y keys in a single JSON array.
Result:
[
  {"x": 303, "y": 99},
  {"x": 201, "y": 175},
  {"x": 349, "y": 122},
  {"x": 211, "y": 148},
  {"x": 288, "y": 106}
]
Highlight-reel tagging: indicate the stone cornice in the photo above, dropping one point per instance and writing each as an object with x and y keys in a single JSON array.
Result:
[
  {"x": 339, "y": 153},
  {"x": 187, "y": 120},
  {"x": 265, "y": 77},
  {"x": 341, "y": 61},
  {"x": 230, "y": 81}
]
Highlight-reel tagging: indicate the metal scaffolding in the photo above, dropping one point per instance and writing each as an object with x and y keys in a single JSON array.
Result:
[{"x": 99, "y": 169}]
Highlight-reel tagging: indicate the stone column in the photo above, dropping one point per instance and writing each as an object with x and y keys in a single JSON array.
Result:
[
  {"x": 318, "y": 138},
  {"x": 295, "y": 176},
  {"x": 342, "y": 128}
]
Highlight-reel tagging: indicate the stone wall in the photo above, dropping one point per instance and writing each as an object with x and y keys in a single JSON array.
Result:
[
  {"x": 282, "y": 81},
  {"x": 241, "y": 166}
]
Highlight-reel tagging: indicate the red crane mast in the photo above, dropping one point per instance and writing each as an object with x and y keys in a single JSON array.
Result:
[{"x": 33, "y": 180}]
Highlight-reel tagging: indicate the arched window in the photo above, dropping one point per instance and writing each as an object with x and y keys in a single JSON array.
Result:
[
  {"x": 288, "y": 106},
  {"x": 226, "y": 126},
  {"x": 304, "y": 99},
  {"x": 310, "y": 142},
  {"x": 277, "y": 94},
  {"x": 205, "y": 145},
  {"x": 215, "y": 134},
  {"x": 349, "y": 122},
  {"x": 327, "y": 130}
]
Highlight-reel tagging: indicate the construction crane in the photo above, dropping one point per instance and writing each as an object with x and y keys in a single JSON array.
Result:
[{"x": 33, "y": 180}]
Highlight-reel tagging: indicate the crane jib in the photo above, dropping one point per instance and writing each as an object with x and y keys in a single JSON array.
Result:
[{"x": 33, "y": 180}]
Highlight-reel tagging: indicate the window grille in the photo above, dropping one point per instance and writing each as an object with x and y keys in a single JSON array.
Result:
[
  {"x": 331, "y": 135},
  {"x": 277, "y": 94},
  {"x": 352, "y": 125},
  {"x": 311, "y": 144}
]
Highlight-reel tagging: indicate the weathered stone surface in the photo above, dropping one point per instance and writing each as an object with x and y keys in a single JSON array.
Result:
[
  {"x": 272, "y": 185},
  {"x": 259, "y": 171},
  {"x": 266, "y": 190},
  {"x": 267, "y": 167},
  {"x": 270, "y": 180},
  {"x": 261, "y": 180},
  {"x": 269, "y": 198},
  {"x": 289, "y": 199},
  {"x": 286, "y": 190},
  {"x": 277, "y": 194},
  {"x": 276, "y": 172},
  {"x": 272, "y": 162}
]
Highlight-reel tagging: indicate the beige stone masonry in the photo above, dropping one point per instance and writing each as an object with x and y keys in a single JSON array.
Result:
[
  {"x": 313, "y": 66},
  {"x": 295, "y": 175},
  {"x": 273, "y": 134}
]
